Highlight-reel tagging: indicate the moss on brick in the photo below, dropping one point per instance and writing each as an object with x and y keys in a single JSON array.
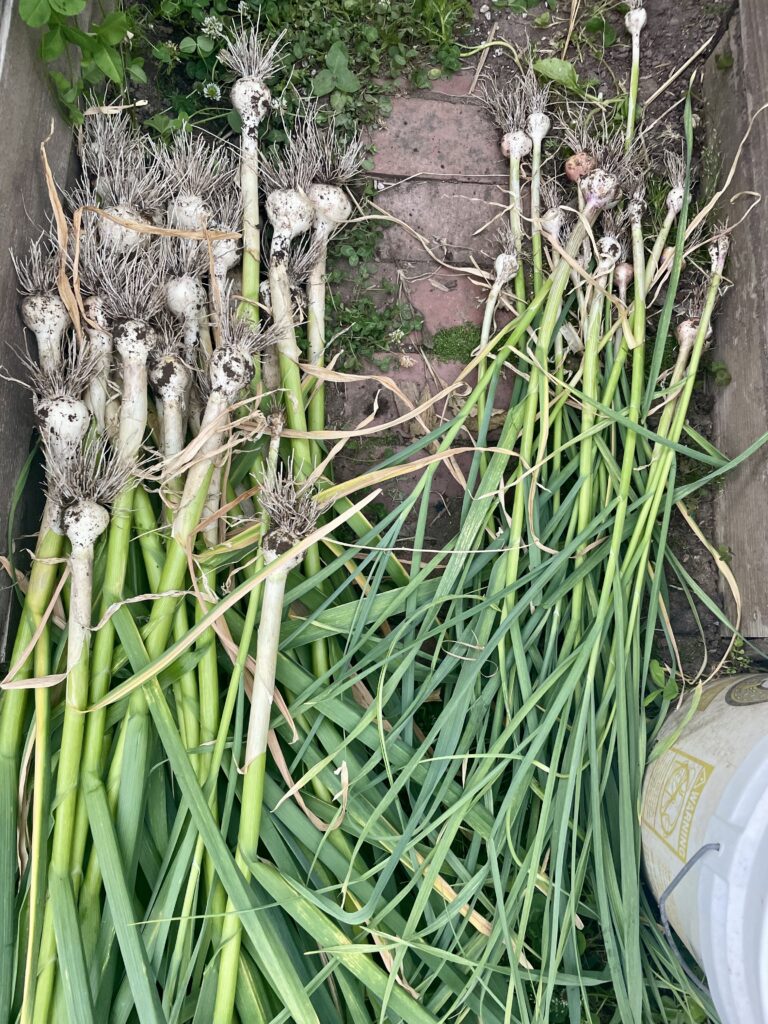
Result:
[{"x": 456, "y": 344}]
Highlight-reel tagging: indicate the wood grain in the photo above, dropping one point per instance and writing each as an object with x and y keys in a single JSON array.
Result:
[{"x": 733, "y": 95}]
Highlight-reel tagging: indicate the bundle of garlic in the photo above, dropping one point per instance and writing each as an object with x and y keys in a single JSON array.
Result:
[{"x": 275, "y": 776}]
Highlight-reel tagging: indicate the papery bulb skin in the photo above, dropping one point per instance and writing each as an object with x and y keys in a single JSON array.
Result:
[
  {"x": 189, "y": 213},
  {"x": 579, "y": 165},
  {"x": 84, "y": 522},
  {"x": 226, "y": 256},
  {"x": 46, "y": 316},
  {"x": 252, "y": 100},
  {"x": 185, "y": 296},
  {"x": 265, "y": 296},
  {"x": 551, "y": 222},
  {"x": 505, "y": 266},
  {"x": 686, "y": 333},
  {"x": 635, "y": 20},
  {"x": 636, "y": 207},
  {"x": 291, "y": 213},
  {"x": 623, "y": 275},
  {"x": 96, "y": 313},
  {"x": 516, "y": 145},
  {"x": 332, "y": 206},
  {"x": 668, "y": 255},
  {"x": 538, "y": 126},
  {"x": 675, "y": 198},
  {"x": 134, "y": 340},
  {"x": 119, "y": 236},
  {"x": 718, "y": 251},
  {"x": 64, "y": 422},
  {"x": 609, "y": 249},
  {"x": 170, "y": 378},
  {"x": 599, "y": 189},
  {"x": 231, "y": 370}
]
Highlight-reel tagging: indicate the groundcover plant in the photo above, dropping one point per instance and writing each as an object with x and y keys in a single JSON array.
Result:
[{"x": 262, "y": 759}]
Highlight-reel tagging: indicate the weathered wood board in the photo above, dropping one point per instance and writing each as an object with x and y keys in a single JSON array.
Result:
[
  {"x": 27, "y": 114},
  {"x": 733, "y": 97}
]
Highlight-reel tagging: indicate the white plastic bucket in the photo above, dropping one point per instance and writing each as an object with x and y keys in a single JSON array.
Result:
[{"x": 711, "y": 787}]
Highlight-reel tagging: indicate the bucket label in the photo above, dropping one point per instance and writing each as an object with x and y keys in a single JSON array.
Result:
[{"x": 673, "y": 792}]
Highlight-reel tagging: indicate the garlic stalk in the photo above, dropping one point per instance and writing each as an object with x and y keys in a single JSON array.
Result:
[
  {"x": 254, "y": 64},
  {"x": 133, "y": 297},
  {"x": 505, "y": 268},
  {"x": 340, "y": 161},
  {"x": 171, "y": 381},
  {"x": 538, "y": 126},
  {"x": 676, "y": 174},
  {"x": 85, "y": 487},
  {"x": 185, "y": 262},
  {"x": 635, "y": 20},
  {"x": 293, "y": 516},
  {"x": 230, "y": 371},
  {"x": 99, "y": 335},
  {"x": 63, "y": 423},
  {"x": 506, "y": 105},
  {"x": 225, "y": 252},
  {"x": 42, "y": 309},
  {"x": 291, "y": 214}
]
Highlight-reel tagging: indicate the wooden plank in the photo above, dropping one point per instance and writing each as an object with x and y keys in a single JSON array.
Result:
[
  {"x": 27, "y": 112},
  {"x": 732, "y": 97}
]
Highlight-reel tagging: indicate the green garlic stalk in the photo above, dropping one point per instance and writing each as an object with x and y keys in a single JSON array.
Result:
[
  {"x": 293, "y": 516},
  {"x": 634, "y": 20},
  {"x": 84, "y": 487},
  {"x": 251, "y": 98}
]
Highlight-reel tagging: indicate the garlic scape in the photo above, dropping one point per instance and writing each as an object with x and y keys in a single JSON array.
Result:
[{"x": 42, "y": 308}]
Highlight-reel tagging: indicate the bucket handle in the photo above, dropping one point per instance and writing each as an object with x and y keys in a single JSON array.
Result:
[{"x": 707, "y": 848}]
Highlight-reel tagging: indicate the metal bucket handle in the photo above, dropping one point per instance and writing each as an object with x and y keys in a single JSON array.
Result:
[{"x": 668, "y": 935}]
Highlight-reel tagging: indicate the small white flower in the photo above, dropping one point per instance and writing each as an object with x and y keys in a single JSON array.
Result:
[
  {"x": 396, "y": 336},
  {"x": 242, "y": 8},
  {"x": 213, "y": 27},
  {"x": 211, "y": 91}
]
